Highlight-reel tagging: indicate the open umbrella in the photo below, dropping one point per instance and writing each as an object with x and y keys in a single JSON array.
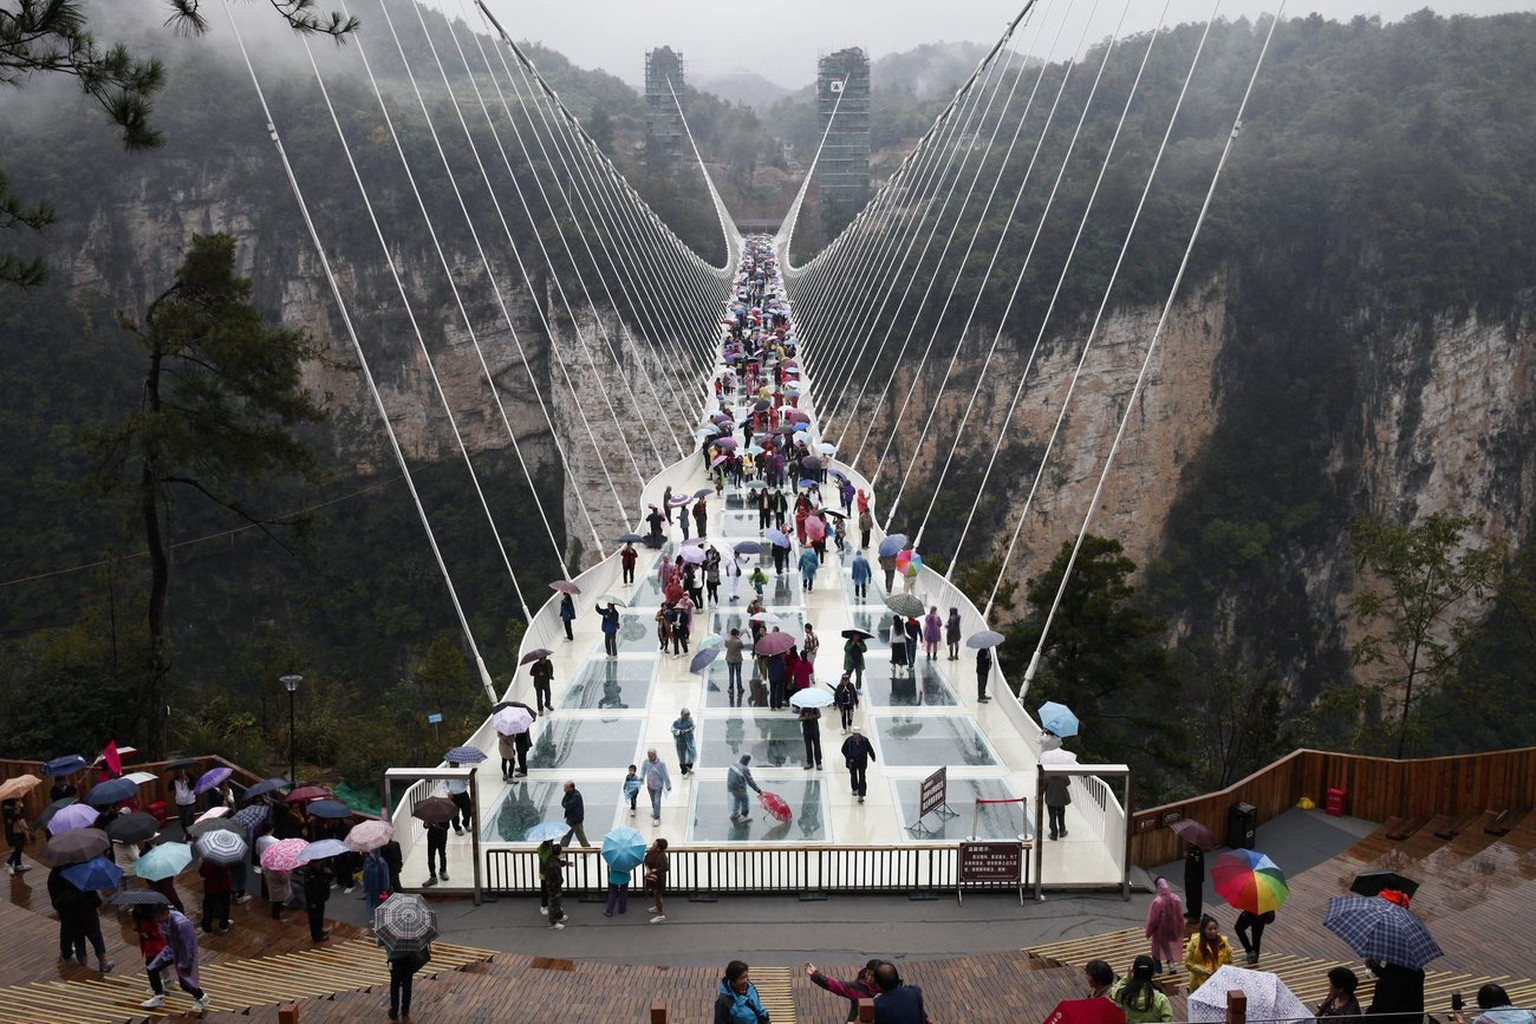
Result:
[
  {"x": 370, "y": 835},
  {"x": 1194, "y": 833},
  {"x": 333, "y": 809},
  {"x": 52, "y": 809},
  {"x": 609, "y": 599},
  {"x": 777, "y": 536},
  {"x": 709, "y": 642},
  {"x": 304, "y": 794},
  {"x": 701, "y": 659},
  {"x": 904, "y": 604},
  {"x": 679, "y": 500},
  {"x": 748, "y": 547},
  {"x": 1058, "y": 756},
  {"x": 203, "y": 828},
  {"x": 624, "y": 848},
  {"x": 1058, "y": 718},
  {"x": 434, "y": 809},
  {"x": 74, "y": 847},
  {"x": 756, "y": 485},
  {"x": 726, "y": 442},
  {"x": 180, "y": 762},
  {"x": 775, "y": 806},
  {"x": 1250, "y": 881},
  {"x": 858, "y": 634},
  {"x": 72, "y": 817},
  {"x": 139, "y": 898},
  {"x": 139, "y": 778},
  {"x": 264, "y": 787},
  {"x": 133, "y": 828},
  {"x": 774, "y": 643},
  {"x": 68, "y": 764},
  {"x": 983, "y": 639},
  {"x": 323, "y": 848},
  {"x": 1378, "y": 929},
  {"x": 211, "y": 778},
  {"x": 283, "y": 855},
  {"x": 890, "y": 546},
  {"x": 535, "y": 654},
  {"x": 223, "y": 847},
  {"x": 1086, "y": 1011},
  {"x": 164, "y": 861},
  {"x": 213, "y": 812},
  {"x": 21, "y": 785},
  {"x": 811, "y": 697},
  {"x": 93, "y": 875},
  {"x": 693, "y": 554},
  {"x": 113, "y": 791},
  {"x": 703, "y": 492},
  {"x": 1370, "y": 883},
  {"x": 810, "y": 462},
  {"x": 815, "y": 527},
  {"x": 630, "y": 538},
  {"x": 546, "y": 830},
  {"x": 465, "y": 755},
  {"x": 405, "y": 922},
  {"x": 565, "y": 587},
  {"x": 1268, "y": 996},
  {"x": 510, "y": 721}
]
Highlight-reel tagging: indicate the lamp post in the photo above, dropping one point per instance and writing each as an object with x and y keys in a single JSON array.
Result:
[{"x": 292, "y": 684}]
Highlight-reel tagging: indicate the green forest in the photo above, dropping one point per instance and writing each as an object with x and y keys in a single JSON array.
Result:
[{"x": 1381, "y": 189}]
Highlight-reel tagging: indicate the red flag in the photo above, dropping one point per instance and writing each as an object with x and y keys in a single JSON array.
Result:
[{"x": 109, "y": 755}]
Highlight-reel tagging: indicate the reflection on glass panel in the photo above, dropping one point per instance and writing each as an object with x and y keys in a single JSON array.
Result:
[
  {"x": 611, "y": 684},
  {"x": 712, "y": 814},
  {"x": 991, "y": 821},
  {"x": 927, "y": 688},
  {"x": 586, "y": 743},
  {"x": 772, "y": 738},
  {"x": 909, "y": 740},
  {"x": 527, "y": 804}
]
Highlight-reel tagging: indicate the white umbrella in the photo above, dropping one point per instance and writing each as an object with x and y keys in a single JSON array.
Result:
[
  {"x": 811, "y": 697},
  {"x": 1268, "y": 998},
  {"x": 512, "y": 720}
]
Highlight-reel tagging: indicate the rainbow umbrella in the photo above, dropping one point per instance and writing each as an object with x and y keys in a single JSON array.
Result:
[{"x": 1250, "y": 881}]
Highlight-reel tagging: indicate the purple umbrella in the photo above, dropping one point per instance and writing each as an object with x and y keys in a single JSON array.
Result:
[
  {"x": 211, "y": 778},
  {"x": 72, "y": 817}
]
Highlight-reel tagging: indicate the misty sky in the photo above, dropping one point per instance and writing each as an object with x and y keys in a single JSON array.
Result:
[{"x": 782, "y": 40}]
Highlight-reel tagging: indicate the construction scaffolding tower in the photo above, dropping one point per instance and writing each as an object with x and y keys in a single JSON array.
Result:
[
  {"x": 842, "y": 83},
  {"x": 663, "y": 122}
]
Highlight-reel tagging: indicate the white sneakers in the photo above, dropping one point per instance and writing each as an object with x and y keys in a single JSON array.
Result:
[
  {"x": 544, "y": 911},
  {"x": 658, "y": 919},
  {"x": 153, "y": 1002},
  {"x": 200, "y": 1005},
  {"x": 558, "y": 925}
]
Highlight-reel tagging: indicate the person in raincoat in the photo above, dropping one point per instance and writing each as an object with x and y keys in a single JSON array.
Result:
[
  {"x": 738, "y": 1001},
  {"x": 683, "y": 727},
  {"x": 853, "y": 660},
  {"x": 653, "y": 773},
  {"x": 180, "y": 951},
  {"x": 567, "y": 614},
  {"x": 809, "y": 563},
  {"x": 952, "y": 634},
  {"x": 1165, "y": 925},
  {"x": 1208, "y": 950},
  {"x": 375, "y": 881},
  {"x": 933, "y": 632},
  {"x": 862, "y": 574},
  {"x": 738, "y": 779}
]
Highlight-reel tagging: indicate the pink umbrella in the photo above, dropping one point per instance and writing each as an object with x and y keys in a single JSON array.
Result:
[
  {"x": 815, "y": 528},
  {"x": 370, "y": 835},
  {"x": 211, "y": 813},
  {"x": 774, "y": 643},
  {"x": 283, "y": 855},
  {"x": 717, "y": 461},
  {"x": 565, "y": 587}
]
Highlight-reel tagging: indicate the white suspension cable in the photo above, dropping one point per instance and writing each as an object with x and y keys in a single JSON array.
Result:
[{"x": 1162, "y": 323}]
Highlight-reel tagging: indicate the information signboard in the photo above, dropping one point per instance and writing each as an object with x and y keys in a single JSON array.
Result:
[
  {"x": 997, "y": 863},
  {"x": 932, "y": 795}
]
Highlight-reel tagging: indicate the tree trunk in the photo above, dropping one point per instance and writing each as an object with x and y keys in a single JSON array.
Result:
[{"x": 158, "y": 665}]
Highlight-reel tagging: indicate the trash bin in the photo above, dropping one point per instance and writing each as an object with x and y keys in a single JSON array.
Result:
[{"x": 1242, "y": 824}]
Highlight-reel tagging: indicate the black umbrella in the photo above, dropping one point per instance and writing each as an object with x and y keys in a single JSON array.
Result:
[
  {"x": 185, "y": 762},
  {"x": 133, "y": 828},
  {"x": 857, "y": 634},
  {"x": 113, "y": 791},
  {"x": 534, "y": 655},
  {"x": 51, "y": 810},
  {"x": 264, "y": 787},
  {"x": 202, "y": 828},
  {"x": 1371, "y": 883},
  {"x": 74, "y": 847},
  {"x": 630, "y": 538},
  {"x": 139, "y": 898},
  {"x": 834, "y": 513}
]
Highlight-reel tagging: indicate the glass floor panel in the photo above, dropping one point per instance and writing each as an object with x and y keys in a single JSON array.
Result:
[
  {"x": 611, "y": 684},
  {"x": 870, "y": 620},
  {"x": 637, "y": 633},
  {"x": 712, "y": 814},
  {"x": 772, "y": 738},
  {"x": 874, "y": 594},
  {"x": 913, "y": 741},
  {"x": 739, "y": 525},
  {"x": 587, "y": 743},
  {"x": 927, "y": 688},
  {"x": 526, "y": 804},
  {"x": 791, "y": 621},
  {"x": 996, "y": 821}
]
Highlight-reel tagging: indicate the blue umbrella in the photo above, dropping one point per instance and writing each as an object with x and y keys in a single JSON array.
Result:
[
  {"x": 465, "y": 755},
  {"x": 1378, "y": 929},
  {"x": 264, "y": 787},
  {"x": 810, "y": 483},
  {"x": 323, "y": 848},
  {"x": 702, "y": 659},
  {"x": 748, "y": 547},
  {"x": 330, "y": 809},
  {"x": 95, "y": 874},
  {"x": 777, "y": 536},
  {"x": 164, "y": 861},
  {"x": 624, "y": 848},
  {"x": 113, "y": 791},
  {"x": 892, "y": 545},
  {"x": 252, "y": 817},
  {"x": 546, "y": 830},
  {"x": 72, "y": 817},
  {"x": 66, "y": 765},
  {"x": 1058, "y": 718},
  {"x": 837, "y": 473}
]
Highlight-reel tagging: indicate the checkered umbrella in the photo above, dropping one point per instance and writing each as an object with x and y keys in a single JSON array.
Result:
[
  {"x": 252, "y": 817},
  {"x": 405, "y": 921},
  {"x": 1377, "y": 929},
  {"x": 222, "y": 846}
]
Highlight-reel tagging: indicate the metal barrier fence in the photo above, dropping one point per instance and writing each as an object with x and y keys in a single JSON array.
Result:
[{"x": 766, "y": 869}]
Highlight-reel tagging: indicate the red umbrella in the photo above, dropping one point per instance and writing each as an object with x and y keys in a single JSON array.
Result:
[
  {"x": 1086, "y": 1011},
  {"x": 777, "y": 808},
  {"x": 304, "y": 794}
]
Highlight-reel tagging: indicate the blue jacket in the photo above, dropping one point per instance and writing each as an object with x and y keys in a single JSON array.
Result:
[
  {"x": 901, "y": 1005},
  {"x": 861, "y": 570},
  {"x": 809, "y": 563},
  {"x": 731, "y": 1008}
]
